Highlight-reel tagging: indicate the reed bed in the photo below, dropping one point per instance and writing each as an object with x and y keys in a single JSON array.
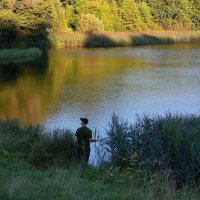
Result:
[
  {"x": 39, "y": 148},
  {"x": 157, "y": 144},
  {"x": 15, "y": 56},
  {"x": 120, "y": 39}
]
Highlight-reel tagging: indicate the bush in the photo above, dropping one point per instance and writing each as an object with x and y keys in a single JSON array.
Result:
[
  {"x": 90, "y": 23},
  {"x": 15, "y": 139},
  {"x": 158, "y": 144},
  {"x": 61, "y": 145},
  {"x": 38, "y": 155},
  {"x": 130, "y": 16},
  {"x": 38, "y": 148}
]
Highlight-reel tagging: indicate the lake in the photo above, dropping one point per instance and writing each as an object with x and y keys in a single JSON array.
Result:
[{"x": 71, "y": 83}]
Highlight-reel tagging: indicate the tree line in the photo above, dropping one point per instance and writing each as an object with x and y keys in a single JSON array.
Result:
[{"x": 47, "y": 18}]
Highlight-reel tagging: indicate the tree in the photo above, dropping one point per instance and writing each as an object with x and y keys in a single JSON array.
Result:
[
  {"x": 90, "y": 23},
  {"x": 69, "y": 14},
  {"x": 115, "y": 17},
  {"x": 9, "y": 28},
  {"x": 186, "y": 10},
  {"x": 171, "y": 14},
  {"x": 33, "y": 21},
  {"x": 195, "y": 14},
  {"x": 129, "y": 13}
]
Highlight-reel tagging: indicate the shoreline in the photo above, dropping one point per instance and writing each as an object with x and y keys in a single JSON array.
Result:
[
  {"x": 70, "y": 40},
  {"x": 123, "y": 39}
]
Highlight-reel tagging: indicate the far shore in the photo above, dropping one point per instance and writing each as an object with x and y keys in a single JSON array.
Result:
[
  {"x": 17, "y": 54},
  {"x": 122, "y": 39}
]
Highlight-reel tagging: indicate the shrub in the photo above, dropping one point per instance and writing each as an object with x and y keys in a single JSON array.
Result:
[
  {"x": 37, "y": 147},
  {"x": 38, "y": 155},
  {"x": 155, "y": 144},
  {"x": 61, "y": 145},
  {"x": 15, "y": 139},
  {"x": 90, "y": 23},
  {"x": 130, "y": 16}
]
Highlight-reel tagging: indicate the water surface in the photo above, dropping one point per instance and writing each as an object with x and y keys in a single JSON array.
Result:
[{"x": 94, "y": 83}]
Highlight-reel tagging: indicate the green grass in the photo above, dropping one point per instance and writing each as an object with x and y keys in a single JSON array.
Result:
[
  {"x": 119, "y": 39},
  {"x": 19, "y": 181},
  {"x": 15, "y": 56},
  {"x": 41, "y": 149}
]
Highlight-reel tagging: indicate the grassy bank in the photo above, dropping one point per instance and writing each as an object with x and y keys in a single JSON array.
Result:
[
  {"x": 19, "y": 181},
  {"x": 92, "y": 40},
  {"x": 154, "y": 158},
  {"x": 14, "y": 56},
  {"x": 120, "y": 39}
]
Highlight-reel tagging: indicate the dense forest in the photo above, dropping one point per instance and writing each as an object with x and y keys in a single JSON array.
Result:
[{"x": 43, "y": 20}]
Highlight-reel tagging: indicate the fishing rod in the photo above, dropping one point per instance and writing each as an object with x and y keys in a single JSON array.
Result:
[
  {"x": 99, "y": 140},
  {"x": 97, "y": 136}
]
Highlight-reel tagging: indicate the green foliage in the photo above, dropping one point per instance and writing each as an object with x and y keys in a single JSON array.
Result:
[
  {"x": 30, "y": 23},
  {"x": 146, "y": 16},
  {"x": 157, "y": 144},
  {"x": 6, "y": 4},
  {"x": 38, "y": 148},
  {"x": 163, "y": 12},
  {"x": 38, "y": 155},
  {"x": 129, "y": 13},
  {"x": 90, "y": 23},
  {"x": 145, "y": 12},
  {"x": 41, "y": 23},
  {"x": 101, "y": 9},
  {"x": 148, "y": 158},
  {"x": 184, "y": 12},
  {"x": 9, "y": 25},
  {"x": 114, "y": 15},
  {"x": 69, "y": 14},
  {"x": 172, "y": 14},
  {"x": 195, "y": 14}
]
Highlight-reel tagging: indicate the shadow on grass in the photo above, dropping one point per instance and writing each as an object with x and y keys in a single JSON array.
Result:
[
  {"x": 117, "y": 40},
  {"x": 145, "y": 39},
  {"x": 99, "y": 40}
]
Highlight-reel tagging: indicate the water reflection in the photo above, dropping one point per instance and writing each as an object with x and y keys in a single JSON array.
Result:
[
  {"x": 97, "y": 82},
  {"x": 20, "y": 95}
]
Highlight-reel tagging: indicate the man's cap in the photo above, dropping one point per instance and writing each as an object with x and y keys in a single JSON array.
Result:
[{"x": 84, "y": 120}]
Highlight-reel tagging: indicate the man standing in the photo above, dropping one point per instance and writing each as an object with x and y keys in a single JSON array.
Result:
[{"x": 83, "y": 138}]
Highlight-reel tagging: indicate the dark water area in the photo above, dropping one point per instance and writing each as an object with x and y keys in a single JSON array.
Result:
[{"x": 71, "y": 83}]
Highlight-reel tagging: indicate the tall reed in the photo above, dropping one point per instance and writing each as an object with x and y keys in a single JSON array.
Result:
[
  {"x": 38, "y": 147},
  {"x": 170, "y": 142},
  {"x": 118, "y": 39}
]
